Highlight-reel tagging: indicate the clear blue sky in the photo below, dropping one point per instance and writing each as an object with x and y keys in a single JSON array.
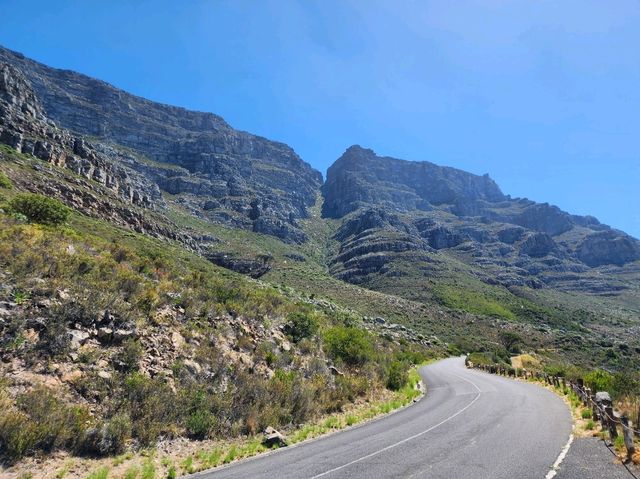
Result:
[{"x": 542, "y": 95}]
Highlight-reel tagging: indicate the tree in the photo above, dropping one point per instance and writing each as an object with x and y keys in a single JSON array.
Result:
[{"x": 511, "y": 341}]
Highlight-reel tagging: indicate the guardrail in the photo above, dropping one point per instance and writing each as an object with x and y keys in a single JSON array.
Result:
[{"x": 599, "y": 402}]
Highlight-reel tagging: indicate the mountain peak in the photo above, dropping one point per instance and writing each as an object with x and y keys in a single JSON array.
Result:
[{"x": 360, "y": 177}]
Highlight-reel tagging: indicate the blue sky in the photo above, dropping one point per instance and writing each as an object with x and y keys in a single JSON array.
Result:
[{"x": 542, "y": 95}]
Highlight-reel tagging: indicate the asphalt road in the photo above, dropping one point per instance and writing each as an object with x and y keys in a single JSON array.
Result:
[{"x": 469, "y": 425}]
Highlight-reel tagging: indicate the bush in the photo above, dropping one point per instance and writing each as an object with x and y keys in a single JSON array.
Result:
[
  {"x": 586, "y": 414},
  {"x": 301, "y": 325},
  {"x": 351, "y": 345},
  {"x": 599, "y": 380},
  {"x": 5, "y": 182},
  {"x": 200, "y": 424},
  {"x": 397, "y": 375},
  {"x": 130, "y": 355},
  {"x": 511, "y": 341},
  {"x": 39, "y": 422},
  {"x": 40, "y": 209},
  {"x": 110, "y": 438},
  {"x": 151, "y": 405}
]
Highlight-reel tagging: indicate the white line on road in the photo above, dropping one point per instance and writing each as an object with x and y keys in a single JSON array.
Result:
[
  {"x": 360, "y": 459},
  {"x": 563, "y": 454}
]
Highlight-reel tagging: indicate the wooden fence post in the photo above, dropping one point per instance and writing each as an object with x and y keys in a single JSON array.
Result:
[
  {"x": 611, "y": 420},
  {"x": 628, "y": 436}
]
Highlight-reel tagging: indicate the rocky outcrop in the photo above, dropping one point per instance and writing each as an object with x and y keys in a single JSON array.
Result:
[
  {"x": 207, "y": 158},
  {"x": 251, "y": 267},
  {"x": 538, "y": 245},
  {"x": 393, "y": 209},
  {"x": 370, "y": 240},
  {"x": 25, "y": 128},
  {"x": 360, "y": 178},
  {"x": 608, "y": 247},
  {"x": 439, "y": 236}
]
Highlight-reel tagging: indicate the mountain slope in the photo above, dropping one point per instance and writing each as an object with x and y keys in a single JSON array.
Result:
[
  {"x": 218, "y": 173},
  {"x": 430, "y": 215}
]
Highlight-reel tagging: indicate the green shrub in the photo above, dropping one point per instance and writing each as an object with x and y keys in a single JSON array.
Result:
[
  {"x": 200, "y": 424},
  {"x": 39, "y": 421},
  {"x": 148, "y": 470},
  {"x": 151, "y": 405},
  {"x": 397, "y": 375},
  {"x": 301, "y": 325},
  {"x": 351, "y": 345},
  {"x": 511, "y": 341},
  {"x": 110, "y": 438},
  {"x": 599, "y": 380},
  {"x": 5, "y": 182},
  {"x": 40, "y": 209},
  {"x": 590, "y": 425},
  {"x": 130, "y": 355},
  {"x": 586, "y": 414}
]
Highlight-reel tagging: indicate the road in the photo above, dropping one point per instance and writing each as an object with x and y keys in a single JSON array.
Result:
[{"x": 469, "y": 425}]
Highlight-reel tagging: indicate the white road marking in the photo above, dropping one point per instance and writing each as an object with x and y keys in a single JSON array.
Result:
[
  {"x": 410, "y": 438},
  {"x": 563, "y": 454}
]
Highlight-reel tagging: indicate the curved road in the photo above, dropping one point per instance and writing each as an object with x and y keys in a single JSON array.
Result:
[{"x": 469, "y": 425}]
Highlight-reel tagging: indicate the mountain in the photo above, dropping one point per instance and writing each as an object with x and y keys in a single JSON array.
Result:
[
  {"x": 420, "y": 212},
  {"x": 124, "y": 311},
  {"x": 216, "y": 172}
]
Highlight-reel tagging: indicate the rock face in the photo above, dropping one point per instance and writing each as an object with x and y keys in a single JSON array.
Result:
[
  {"x": 25, "y": 127},
  {"x": 131, "y": 161},
  {"x": 607, "y": 247},
  {"x": 224, "y": 175},
  {"x": 396, "y": 211},
  {"x": 359, "y": 178}
]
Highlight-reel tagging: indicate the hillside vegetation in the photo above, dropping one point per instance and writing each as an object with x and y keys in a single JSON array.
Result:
[{"x": 128, "y": 340}]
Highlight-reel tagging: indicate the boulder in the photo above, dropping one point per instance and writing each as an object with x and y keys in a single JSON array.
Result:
[
  {"x": 273, "y": 438},
  {"x": 77, "y": 338}
]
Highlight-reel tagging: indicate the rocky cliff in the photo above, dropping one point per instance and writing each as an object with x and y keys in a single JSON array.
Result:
[
  {"x": 138, "y": 163},
  {"x": 221, "y": 174},
  {"x": 360, "y": 178},
  {"x": 424, "y": 214}
]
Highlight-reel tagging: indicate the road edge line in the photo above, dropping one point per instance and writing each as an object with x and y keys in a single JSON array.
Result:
[
  {"x": 407, "y": 439},
  {"x": 561, "y": 456}
]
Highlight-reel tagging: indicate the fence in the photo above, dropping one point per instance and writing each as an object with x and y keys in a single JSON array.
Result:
[{"x": 600, "y": 404}]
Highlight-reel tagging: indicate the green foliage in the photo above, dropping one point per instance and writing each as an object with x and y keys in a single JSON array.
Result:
[
  {"x": 151, "y": 404},
  {"x": 301, "y": 325},
  {"x": 397, "y": 376},
  {"x": 586, "y": 414},
  {"x": 511, "y": 341},
  {"x": 482, "y": 358},
  {"x": 599, "y": 380},
  {"x": 131, "y": 472},
  {"x": 39, "y": 422},
  {"x": 40, "y": 209},
  {"x": 148, "y": 470},
  {"x": 351, "y": 345},
  {"x": 5, "y": 182},
  {"x": 472, "y": 302},
  {"x": 130, "y": 355},
  {"x": 200, "y": 424},
  {"x": 110, "y": 438}
]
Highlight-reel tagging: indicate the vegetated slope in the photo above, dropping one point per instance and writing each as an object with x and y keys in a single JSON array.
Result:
[
  {"x": 432, "y": 257},
  {"x": 112, "y": 340},
  {"x": 116, "y": 329},
  {"x": 439, "y": 235}
]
